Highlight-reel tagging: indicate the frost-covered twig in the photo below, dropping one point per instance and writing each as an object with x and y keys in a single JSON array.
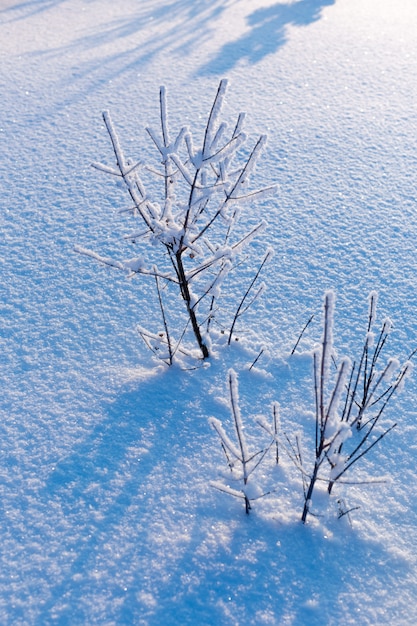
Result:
[
  {"x": 368, "y": 394},
  {"x": 192, "y": 219},
  {"x": 240, "y": 460},
  {"x": 327, "y": 430}
]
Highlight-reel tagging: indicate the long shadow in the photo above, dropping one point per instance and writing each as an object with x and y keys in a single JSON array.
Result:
[
  {"x": 180, "y": 24},
  {"x": 119, "y": 480},
  {"x": 155, "y": 544},
  {"x": 21, "y": 10},
  {"x": 149, "y": 30},
  {"x": 268, "y": 33},
  {"x": 278, "y": 575},
  {"x": 154, "y": 28},
  {"x": 174, "y": 17}
]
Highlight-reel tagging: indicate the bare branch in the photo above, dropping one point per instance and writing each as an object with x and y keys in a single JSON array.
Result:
[{"x": 246, "y": 294}]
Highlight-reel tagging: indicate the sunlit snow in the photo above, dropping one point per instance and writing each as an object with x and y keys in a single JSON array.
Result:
[{"x": 109, "y": 461}]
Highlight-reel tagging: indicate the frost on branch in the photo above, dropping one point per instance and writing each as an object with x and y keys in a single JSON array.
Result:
[
  {"x": 241, "y": 461},
  {"x": 188, "y": 205},
  {"x": 351, "y": 399}
]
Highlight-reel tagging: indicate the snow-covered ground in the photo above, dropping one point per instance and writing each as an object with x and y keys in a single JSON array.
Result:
[{"x": 107, "y": 516}]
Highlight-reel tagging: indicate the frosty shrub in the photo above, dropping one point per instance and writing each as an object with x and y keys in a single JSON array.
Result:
[
  {"x": 350, "y": 401},
  {"x": 187, "y": 207},
  {"x": 241, "y": 461}
]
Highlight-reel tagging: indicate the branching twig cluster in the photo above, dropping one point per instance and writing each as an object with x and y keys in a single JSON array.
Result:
[
  {"x": 350, "y": 407},
  {"x": 350, "y": 401},
  {"x": 240, "y": 460},
  {"x": 191, "y": 217},
  {"x": 189, "y": 213}
]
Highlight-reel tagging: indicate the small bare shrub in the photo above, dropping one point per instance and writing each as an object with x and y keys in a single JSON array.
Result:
[
  {"x": 350, "y": 404},
  {"x": 189, "y": 213},
  {"x": 241, "y": 461}
]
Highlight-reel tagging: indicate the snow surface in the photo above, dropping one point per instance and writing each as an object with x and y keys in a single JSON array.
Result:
[{"x": 107, "y": 516}]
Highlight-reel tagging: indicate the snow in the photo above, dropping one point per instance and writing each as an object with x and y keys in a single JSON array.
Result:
[{"x": 108, "y": 516}]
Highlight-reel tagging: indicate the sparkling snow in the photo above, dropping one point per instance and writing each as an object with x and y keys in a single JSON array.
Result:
[{"x": 107, "y": 514}]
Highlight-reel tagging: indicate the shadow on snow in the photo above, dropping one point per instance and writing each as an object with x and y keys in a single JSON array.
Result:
[
  {"x": 267, "y": 33},
  {"x": 147, "y": 540}
]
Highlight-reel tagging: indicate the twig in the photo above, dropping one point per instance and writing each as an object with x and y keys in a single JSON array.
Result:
[
  {"x": 246, "y": 294},
  {"x": 301, "y": 334},
  {"x": 164, "y": 319},
  {"x": 257, "y": 359}
]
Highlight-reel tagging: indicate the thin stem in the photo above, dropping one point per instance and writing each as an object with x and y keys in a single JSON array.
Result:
[
  {"x": 246, "y": 294},
  {"x": 238, "y": 425},
  {"x": 301, "y": 334},
  {"x": 307, "y": 499},
  {"x": 164, "y": 319},
  {"x": 257, "y": 358},
  {"x": 324, "y": 358},
  {"x": 275, "y": 416}
]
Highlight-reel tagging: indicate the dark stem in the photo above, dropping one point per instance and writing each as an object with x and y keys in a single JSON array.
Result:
[
  {"x": 310, "y": 492},
  {"x": 301, "y": 334},
  {"x": 185, "y": 292},
  {"x": 275, "y": 410},
  {"x": 246, "y": 294},
  {"x": 164, "y": 319}
]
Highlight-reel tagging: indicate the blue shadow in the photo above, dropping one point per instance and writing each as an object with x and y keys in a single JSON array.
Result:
[{"x": 268, "y": 33}]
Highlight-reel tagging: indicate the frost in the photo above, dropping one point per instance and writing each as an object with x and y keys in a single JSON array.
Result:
[
  {"x": 404, "y": 375},
  {"x": 84, "y": 516},
  {"x": 241, "y": 461},
  {"x": 189, "y": 213},
  {"x": 135, "y": 265},
  {"x": 387, "y": 326},
  {"x": 98, "y": 257},
  {"x": 226, "y": 489},
  {"x": 230, "y": 446}
]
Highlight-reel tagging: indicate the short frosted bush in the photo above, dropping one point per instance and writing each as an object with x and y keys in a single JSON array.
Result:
[{"x": 189, "y": 212}]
